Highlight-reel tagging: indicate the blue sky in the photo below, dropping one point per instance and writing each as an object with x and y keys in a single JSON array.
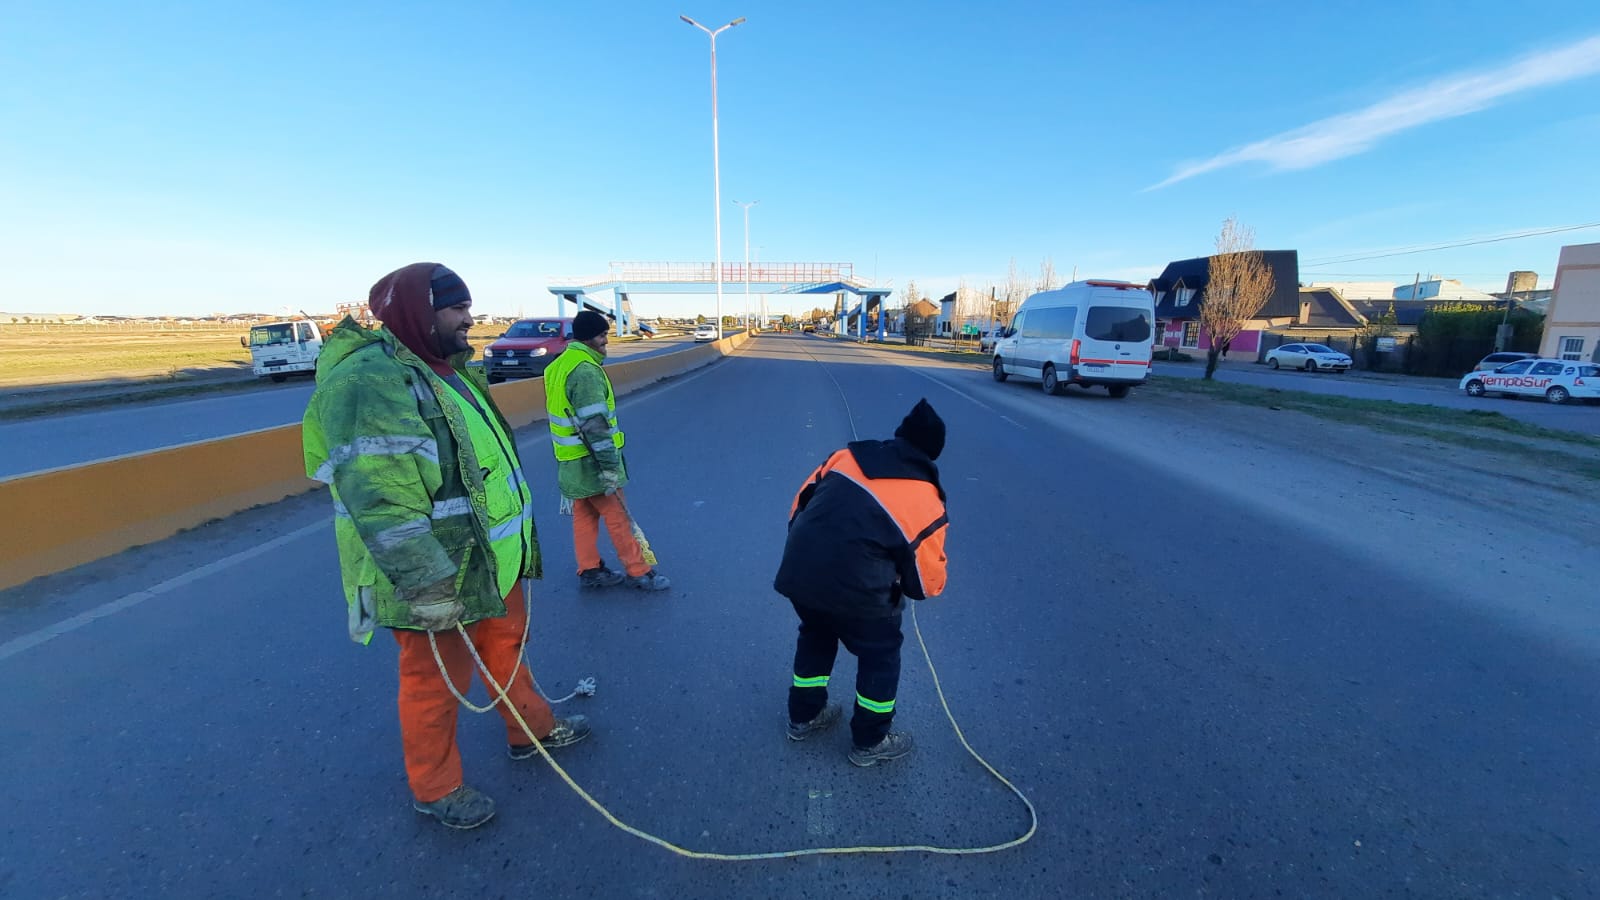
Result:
[{"x": 221, "y": 157}]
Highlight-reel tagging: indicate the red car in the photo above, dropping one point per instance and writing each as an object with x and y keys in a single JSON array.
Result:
[{"x": 526, "y": 348}]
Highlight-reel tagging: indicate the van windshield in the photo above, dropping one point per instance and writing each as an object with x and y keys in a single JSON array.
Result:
[{"x": 1127, "y": 324}]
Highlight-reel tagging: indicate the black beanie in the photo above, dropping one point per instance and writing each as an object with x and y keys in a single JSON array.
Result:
[
  {"x": 588, "y": 324},
  {"x": 923, "y": 429},
  {"x": 448, "y": 289}
]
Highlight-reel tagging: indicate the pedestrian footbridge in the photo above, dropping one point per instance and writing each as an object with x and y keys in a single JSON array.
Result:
[{"x": 611, "y": 293}]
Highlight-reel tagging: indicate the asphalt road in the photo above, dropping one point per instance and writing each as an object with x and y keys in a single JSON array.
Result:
[
  {"x": 29, "y": 445},
  {"x": 1200, "y": 695}
]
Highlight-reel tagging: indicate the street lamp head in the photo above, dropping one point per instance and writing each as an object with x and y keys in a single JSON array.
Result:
[{"x": 738, "y": 21}]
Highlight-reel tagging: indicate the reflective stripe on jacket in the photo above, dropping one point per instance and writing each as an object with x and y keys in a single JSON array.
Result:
[
  {"x": 866, "y": 527},
  {"x": 507, "y": 498},
  {"x": 410, "y": 504},
  {"x": 582, "y": 412}
]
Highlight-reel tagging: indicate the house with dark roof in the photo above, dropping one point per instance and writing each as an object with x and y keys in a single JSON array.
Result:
[{"x": 1180, "y": 292}]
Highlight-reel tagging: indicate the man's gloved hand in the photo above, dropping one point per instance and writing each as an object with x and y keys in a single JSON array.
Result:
[
  {"x": 436, "y": 608},
  {"x": 441, "y": 615},
  {"x": 610, "y": 479}
]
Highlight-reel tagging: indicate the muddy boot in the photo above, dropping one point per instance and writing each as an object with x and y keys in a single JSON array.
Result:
[
  {"x": 567, "y": 731},
  {"x": 894, "y": 745},
  {"x": 462, "y": 808},
  {"x": 650, "y": 581},
  {"x": 599, "y": 577},
  {"x": 823, "y": 721}
]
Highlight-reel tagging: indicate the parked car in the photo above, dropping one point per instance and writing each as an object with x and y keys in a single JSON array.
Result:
[
  {"x": 1496, "y": 360},
  {"x": 706, "y": 332},
  {"x": 526, "y": 348},
  {"x": 646, "y": 330},
  {"x": 1311, "y": 357},
  {"x": 987, "y": 341},
  {"x": 1556, "y": 380}
]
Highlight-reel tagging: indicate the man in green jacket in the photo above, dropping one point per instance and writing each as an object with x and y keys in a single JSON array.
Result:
[
  {"x": 582, "y": 411},
  {"x": 433, "y": 520}
]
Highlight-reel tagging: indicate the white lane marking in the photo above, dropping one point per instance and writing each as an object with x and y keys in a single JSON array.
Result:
[
  {"x": 28, "y": 641},
  {"x": 953, "y": 389},
  {"x": 819, "y": 813}
]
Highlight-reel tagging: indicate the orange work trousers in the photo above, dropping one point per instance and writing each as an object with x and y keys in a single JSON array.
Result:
[
  {"x": 586, "y": 516},
  {"x": 428, "y": 709}
]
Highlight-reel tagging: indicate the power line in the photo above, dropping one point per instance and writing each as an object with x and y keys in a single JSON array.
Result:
[{"x": 1405, "y": 251}]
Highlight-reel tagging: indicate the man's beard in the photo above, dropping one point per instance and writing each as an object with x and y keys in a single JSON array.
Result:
[{"x": 451, "y": 344}]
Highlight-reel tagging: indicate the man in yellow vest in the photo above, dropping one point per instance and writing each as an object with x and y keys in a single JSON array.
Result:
[
  {"x": 582, "y": 412},
  {"x": 433, "y": 520}
]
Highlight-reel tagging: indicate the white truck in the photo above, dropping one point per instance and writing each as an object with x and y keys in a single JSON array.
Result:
[{"x": 280, "y": 349}]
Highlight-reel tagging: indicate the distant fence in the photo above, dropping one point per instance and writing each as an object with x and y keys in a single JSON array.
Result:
[{"x": 1411, "y": 354}]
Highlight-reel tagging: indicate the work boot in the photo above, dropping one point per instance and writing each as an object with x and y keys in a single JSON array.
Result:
[
  {"x": 650, "y": 581},
  {"x": 566, "y": 732},
  {"x": 894, "y": 745},
  {"x": 823, "y": 721},
  {"x": 462, "y": 808},
  {"x": 599, "y": 577}
]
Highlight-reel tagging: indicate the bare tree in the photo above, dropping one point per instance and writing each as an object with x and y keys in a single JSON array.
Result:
[
  {"x": 1237, "y": 287},
  {"x": 1047, "y": 275},
  {"x": 1016, "y": 292},
  {"x": 972, "y": 305},
  {"x": 909, "y": 296}
]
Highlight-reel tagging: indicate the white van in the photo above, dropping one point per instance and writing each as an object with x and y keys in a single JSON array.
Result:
[{"x": 1087, "y": 333}]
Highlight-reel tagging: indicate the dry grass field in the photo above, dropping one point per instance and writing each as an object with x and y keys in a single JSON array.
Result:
[
  {"x": 53, "y": 354},
  {"x": 59, "y": 354}
]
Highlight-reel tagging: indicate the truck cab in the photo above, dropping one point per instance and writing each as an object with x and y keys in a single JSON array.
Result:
[{"x": 280, "y": 349}]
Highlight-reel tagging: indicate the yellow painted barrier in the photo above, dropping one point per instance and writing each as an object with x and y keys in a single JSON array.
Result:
[{"x": 66, "y": 517}]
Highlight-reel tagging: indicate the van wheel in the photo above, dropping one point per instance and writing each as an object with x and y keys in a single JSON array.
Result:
[
  {"x": 1117, "y": 390},
  {"x": 1557, "y": 394},
  {"x": 279, "y": 379},
  {"x": 1050, "y": 384},
  {"x": 999, "y": 370}
]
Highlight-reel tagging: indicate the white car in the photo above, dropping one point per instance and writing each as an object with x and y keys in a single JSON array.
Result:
[
  {"x": 1556, "y": 380},
  {"x": 705, "y": 333},
  {"x": 1311, "y": 357}
]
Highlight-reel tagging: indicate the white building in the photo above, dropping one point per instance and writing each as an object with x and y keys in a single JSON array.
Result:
[{"x": 1572, "y": 321}]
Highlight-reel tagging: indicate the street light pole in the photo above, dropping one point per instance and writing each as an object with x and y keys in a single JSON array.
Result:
[
  {"x": 746, "y": 208},
  {"x": 716, "y": 163}
]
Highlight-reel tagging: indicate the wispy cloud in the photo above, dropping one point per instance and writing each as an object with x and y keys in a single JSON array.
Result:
[{"x": 1355, "y": 132}]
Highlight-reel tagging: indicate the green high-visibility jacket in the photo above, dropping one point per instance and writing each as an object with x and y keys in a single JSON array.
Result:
[
  {"x": 411, "y": 507},
  {"x": 582, "y": 412}
]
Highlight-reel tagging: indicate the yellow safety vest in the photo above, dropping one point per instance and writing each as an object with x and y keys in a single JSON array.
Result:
[
  {"x": 506, "y": 493},
  {"x": 564, "y": 437}
]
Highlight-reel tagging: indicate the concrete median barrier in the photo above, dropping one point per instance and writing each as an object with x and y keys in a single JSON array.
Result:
[{"x": 61, "y": 518}]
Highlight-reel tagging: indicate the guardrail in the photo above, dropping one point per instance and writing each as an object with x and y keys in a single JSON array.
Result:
[{"x": 61, "y": 518}]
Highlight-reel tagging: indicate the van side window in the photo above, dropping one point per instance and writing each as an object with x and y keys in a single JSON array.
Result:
[
  {"x": 1017, "y": 325},
  {"x": 1052, "y": 324},
  {"x": 1126, "y": 324}
]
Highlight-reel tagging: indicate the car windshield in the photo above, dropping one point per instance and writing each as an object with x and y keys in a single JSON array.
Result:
[
  {"x": 531, "y": 329},
  {"x": 1318, "y": 348}
]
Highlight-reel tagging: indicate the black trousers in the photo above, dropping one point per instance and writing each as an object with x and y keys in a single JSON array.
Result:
[{"x": 876, "y": 646}]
